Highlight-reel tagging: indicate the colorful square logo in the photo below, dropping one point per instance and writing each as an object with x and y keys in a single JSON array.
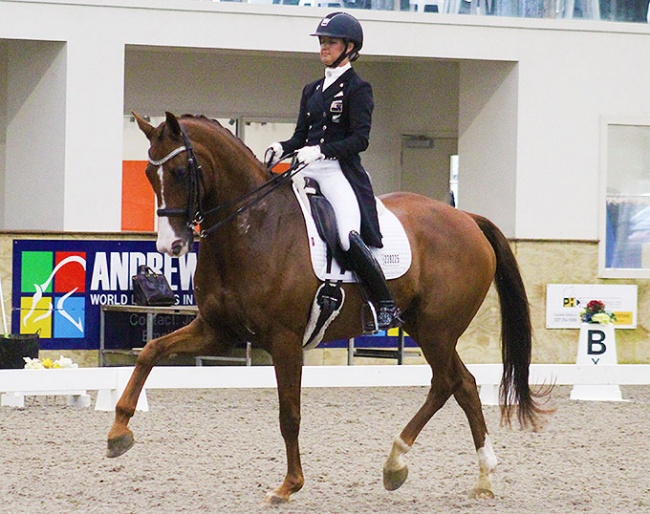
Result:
[
  {"x": 52, "y": 294},
  {"x": 36, "y": 316},
  {"x": 71, "y": 272}
]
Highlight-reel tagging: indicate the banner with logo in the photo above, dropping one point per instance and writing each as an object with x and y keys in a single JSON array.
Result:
[
  {"x": 59, "y": 286},
  {"x": 565, "y": 302}
]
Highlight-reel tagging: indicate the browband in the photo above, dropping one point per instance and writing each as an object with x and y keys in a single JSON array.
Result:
[{"x": 169, "y": 156}]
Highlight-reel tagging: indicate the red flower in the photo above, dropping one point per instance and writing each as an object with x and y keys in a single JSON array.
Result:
[{"x": 595, "y": 306}]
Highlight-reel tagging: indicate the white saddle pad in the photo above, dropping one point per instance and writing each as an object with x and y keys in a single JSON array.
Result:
[{"x": 394, "y": 258}]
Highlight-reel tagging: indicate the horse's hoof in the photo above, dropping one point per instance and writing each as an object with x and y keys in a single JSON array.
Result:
[
  {"x": 120, "y": 445},
  {"x": 275, "y": 498},
  {"x": 481, "y": 494},
  {"x": 394, "y": 478}
]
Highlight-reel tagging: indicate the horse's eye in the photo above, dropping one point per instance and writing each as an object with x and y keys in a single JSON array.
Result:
[{"x": 178, "y": 173}]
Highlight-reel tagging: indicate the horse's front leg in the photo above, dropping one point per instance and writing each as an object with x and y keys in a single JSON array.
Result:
[
  {"x": 194, "y": 339},
  {"x": 287, "y": 360}
]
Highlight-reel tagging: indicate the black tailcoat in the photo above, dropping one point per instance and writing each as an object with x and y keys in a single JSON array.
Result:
[{"x": 339, "y": 119}]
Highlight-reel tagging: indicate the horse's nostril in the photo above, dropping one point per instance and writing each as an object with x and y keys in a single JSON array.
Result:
[{"x": 177, "y": 248}]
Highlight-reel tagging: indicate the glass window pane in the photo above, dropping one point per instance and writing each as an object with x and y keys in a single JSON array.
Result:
[
  {"x": 258, "y": 135},
  {"x": 627, "y": 238}
]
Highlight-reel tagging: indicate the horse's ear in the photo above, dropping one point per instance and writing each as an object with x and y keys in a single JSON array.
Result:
[
  {"x": 172, "y": 123},
  {"x": 144, "y": 125}
]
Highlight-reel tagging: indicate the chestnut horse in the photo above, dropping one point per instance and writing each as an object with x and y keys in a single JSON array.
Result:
[{"x": 254, "y": 282}]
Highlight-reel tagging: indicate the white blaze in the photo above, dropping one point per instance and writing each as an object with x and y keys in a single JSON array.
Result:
[{"x": 166, "y": 234}]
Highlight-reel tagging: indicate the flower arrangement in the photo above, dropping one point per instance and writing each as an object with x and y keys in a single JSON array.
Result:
[
  {"x": 595, "y": 313},
  {"x": 61, "y": 363}
]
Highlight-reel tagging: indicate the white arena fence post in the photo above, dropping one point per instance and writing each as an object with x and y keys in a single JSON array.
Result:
[{"x": 107, "y": 398}]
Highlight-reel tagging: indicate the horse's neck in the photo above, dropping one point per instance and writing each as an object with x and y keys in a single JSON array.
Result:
[
  {"x": 247, "y": 264},
  {"x": 259, "y": 234},
  {"x": 251, "y": 238},
  {"x": 238, "y": 174}
]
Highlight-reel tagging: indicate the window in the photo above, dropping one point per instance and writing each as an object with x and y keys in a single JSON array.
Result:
[
  {"x": 258, "y": 133},
  {"x": 625, "y": 243}
]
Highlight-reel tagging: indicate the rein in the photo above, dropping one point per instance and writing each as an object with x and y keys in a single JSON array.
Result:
[
  {"x": 194, "y": 211},
  {"x": 271, "y": 185}
]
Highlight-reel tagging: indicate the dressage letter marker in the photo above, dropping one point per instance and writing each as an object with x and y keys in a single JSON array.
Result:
[
  {"x": 596, "y": 344},
  {"x": 597, "y": 347}
]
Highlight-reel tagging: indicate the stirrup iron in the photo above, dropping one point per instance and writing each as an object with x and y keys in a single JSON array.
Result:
[
  {"x": 370, "y": 326},
  {"x": 387, "y": 317}
]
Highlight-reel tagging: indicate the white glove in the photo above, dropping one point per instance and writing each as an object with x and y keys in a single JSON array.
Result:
[
  {"x": 308, "y": 154},
  {"x": 273, "y": 154}
]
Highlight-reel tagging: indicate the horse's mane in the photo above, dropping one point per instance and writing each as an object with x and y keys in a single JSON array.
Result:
[{"x": 222, "y": 130}]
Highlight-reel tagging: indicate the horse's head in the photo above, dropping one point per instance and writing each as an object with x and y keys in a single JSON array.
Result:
[
  {"x": 198, "y": 170},
  {"x": 173, "y": 173}
]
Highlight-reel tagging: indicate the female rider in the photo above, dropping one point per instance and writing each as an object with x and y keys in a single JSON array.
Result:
[{"x": 333, "y": 128}]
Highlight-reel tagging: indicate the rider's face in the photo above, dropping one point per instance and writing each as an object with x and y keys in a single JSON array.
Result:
[{"x": 330, "y": 49}]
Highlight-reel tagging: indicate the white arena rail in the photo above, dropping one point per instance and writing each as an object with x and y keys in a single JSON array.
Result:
[{"x": 110, "y": 382}]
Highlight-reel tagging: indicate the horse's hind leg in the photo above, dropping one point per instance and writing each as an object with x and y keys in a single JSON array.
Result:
[
  {"x": 193, "y": 339},
  {"x": 468, "y": 398},
  {"x": 443, "y": 385},
  {"x": 449, "y": 377}
]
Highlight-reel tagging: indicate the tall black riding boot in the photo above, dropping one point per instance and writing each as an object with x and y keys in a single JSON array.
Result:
[{"x": 367, "y": 268}]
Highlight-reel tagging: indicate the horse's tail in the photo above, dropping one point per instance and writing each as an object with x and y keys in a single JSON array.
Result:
[{"x": 516, "y": 332}]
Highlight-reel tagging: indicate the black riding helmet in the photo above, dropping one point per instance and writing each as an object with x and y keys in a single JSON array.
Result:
[{"x": 344, "y": 26}]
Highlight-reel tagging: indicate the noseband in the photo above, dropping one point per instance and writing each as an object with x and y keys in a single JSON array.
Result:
[{"x": 193, "y": 213}]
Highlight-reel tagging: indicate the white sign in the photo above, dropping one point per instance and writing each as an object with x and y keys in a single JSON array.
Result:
[
  {"x": 564, "y": 302},
  {"x": 597, "y": 346}
]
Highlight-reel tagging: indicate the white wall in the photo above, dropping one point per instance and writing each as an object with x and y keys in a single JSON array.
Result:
[
  {"x": 34, "y": 170},
  {"x": 571, "y": 81},
  {"x": 93, "y": 147},
  {"x": 3, "y": 123},
  {"x": 527, "y": 102},
  {"x": 215, "y": 83},
  {"x": 488, "y": 132}
]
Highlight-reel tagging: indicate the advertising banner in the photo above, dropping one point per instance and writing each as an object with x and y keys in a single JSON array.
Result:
[
  {"x": 59, "y": 286},
  {"x": 564, "y": 303}
]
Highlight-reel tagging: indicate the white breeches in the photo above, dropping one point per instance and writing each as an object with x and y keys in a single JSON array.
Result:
[{"x": 336, "y": 188}]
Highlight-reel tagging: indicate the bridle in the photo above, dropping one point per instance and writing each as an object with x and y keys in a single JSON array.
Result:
[{"x": 194, "y": 213}]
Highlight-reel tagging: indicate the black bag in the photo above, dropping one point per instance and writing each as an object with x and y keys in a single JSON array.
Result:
[{"x": 151, "y": 289}]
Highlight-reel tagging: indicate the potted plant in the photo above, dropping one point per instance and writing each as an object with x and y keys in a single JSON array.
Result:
[{"x": 15, "y": 347}]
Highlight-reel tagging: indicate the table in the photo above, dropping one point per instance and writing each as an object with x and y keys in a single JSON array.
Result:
[{"x": 151, "y": 313}]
